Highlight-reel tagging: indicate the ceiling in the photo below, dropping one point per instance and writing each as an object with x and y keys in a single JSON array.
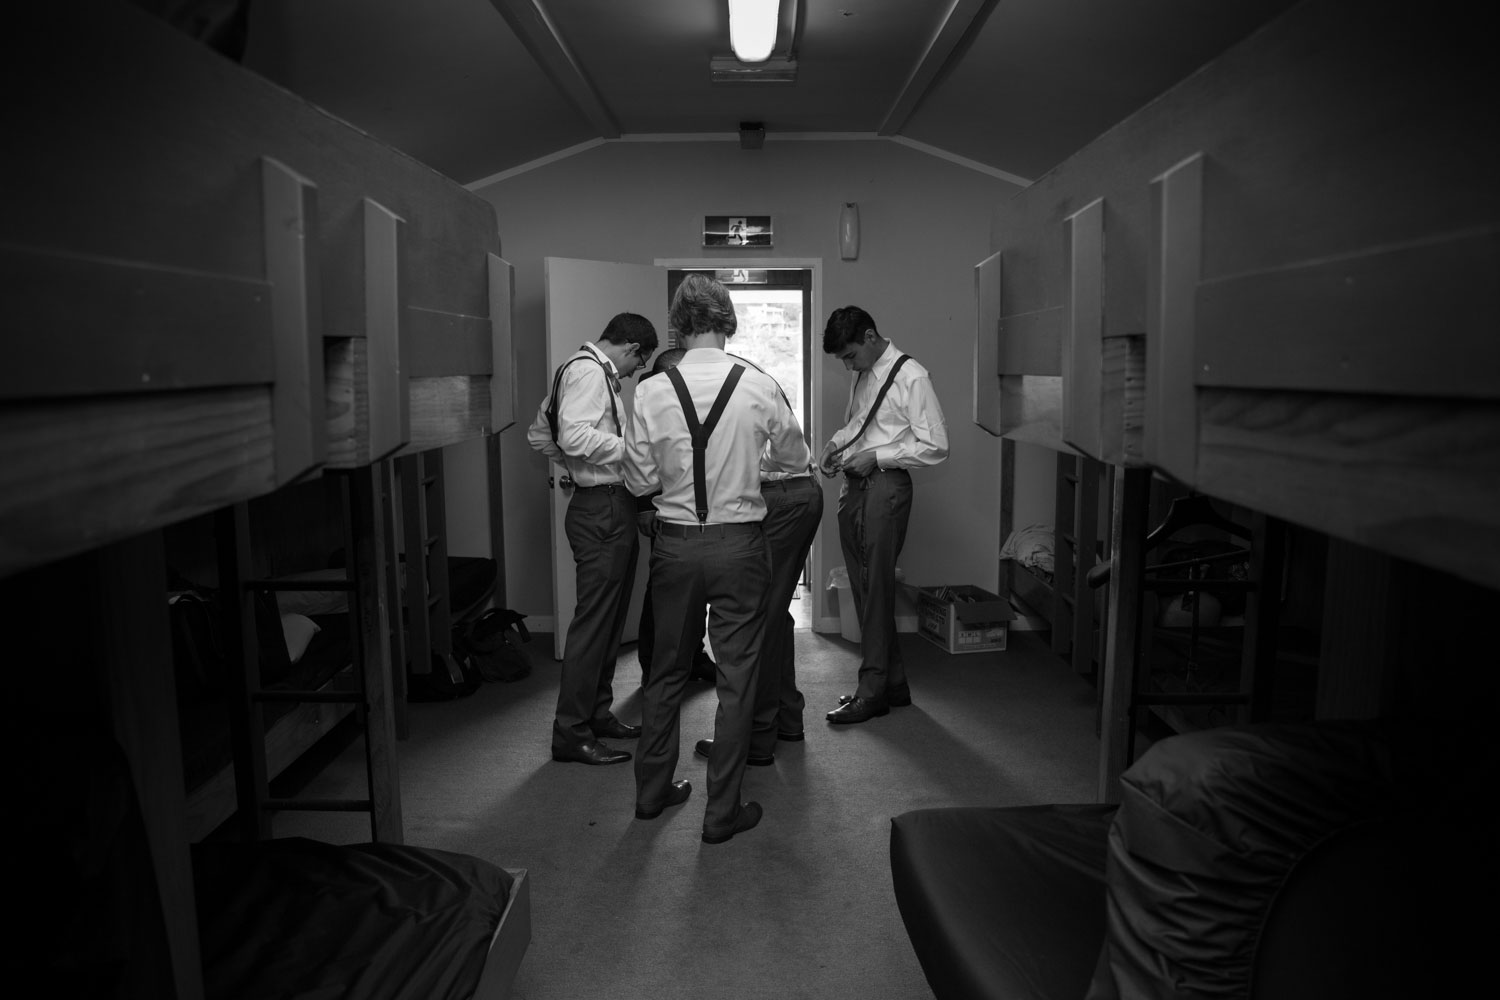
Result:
[{"x": 476, "y": 88}]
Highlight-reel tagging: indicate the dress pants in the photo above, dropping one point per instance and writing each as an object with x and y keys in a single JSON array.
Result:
[
  {"x": 794, "y": 507},
  {"x": 873, "y": 512},
  {"x": 601, "y": 530},
  {"x": 728, "y": 567},
  {"x": 645, "y": 647}
]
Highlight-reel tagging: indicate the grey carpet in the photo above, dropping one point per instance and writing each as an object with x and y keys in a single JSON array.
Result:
[{"x": 801, "y": 906}]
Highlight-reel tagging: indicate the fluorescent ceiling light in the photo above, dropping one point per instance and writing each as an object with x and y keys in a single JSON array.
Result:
[{"x": 752, "y": 28}]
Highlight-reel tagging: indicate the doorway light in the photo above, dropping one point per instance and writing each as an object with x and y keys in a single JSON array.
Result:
[{"x": 752, "y": 28}]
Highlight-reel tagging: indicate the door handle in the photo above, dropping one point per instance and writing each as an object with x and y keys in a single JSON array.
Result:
[{"x": 567, "y": 482}]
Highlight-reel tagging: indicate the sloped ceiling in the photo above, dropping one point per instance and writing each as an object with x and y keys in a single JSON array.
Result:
[{"x": 476, "y": 88}]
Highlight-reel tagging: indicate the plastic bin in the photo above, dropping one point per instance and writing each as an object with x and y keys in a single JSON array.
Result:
[{"x": 838, "y": 582}]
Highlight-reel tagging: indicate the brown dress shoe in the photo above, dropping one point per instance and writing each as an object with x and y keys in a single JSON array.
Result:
[
  {"x": 677, "y": 794},
  {"x": 591, "y": 753},
  {"x": 858, "y": 710}
]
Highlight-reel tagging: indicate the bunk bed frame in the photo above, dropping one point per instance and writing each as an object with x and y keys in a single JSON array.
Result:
[
  {"x": 222, "y": 291},
  {"x": 1273, "y": 285}
]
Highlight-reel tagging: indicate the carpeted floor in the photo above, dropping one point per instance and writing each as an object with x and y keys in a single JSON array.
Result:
[{"x": 801, "y": 906}]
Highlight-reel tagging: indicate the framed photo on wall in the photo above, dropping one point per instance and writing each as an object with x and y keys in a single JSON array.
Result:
[{"x": 737, "y": 231}]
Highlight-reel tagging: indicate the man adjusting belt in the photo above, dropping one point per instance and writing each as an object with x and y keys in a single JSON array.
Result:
[{"x": 893, "y": 423}]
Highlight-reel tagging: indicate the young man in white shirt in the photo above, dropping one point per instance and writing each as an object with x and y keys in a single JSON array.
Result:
[
  {"x": 893, "y": 423},
  {"x": 581, "y": 425},
  {"x": 695, "y": 455}
]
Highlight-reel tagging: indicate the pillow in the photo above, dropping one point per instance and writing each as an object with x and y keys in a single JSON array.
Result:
[
  {"x": 1211, "y": 826},
  {"x": 298, "y": 631},
  {"x": 1031, "y": 546}
]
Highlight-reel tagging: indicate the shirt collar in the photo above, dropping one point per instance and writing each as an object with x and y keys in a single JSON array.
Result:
[{"x": 883, "y": 363}]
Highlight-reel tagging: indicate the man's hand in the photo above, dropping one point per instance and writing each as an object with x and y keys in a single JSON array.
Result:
[
  {"x": 860, "y": 464},
  {"x": 645, "y": 522},
  {"x": 828, "y": 462}
]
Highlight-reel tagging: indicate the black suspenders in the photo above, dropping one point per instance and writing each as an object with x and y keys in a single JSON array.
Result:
[
  {"x": 879, "y": 398},
  {"x": 700, "y": 432},
  {"x": 614, "y": 409}
]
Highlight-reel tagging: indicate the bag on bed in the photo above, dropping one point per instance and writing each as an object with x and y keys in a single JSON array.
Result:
[{"x": 492, "y": 644}]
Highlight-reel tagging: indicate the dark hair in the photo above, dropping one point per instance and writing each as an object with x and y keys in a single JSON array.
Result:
[
  {"x": 846, "y": 326},
  {"x": 667, "y": 359},
  {"x": 702, "y": 305},
  {"x": 629, "y": 328}
]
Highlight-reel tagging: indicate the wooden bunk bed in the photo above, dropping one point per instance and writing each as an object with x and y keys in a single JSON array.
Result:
[
  {"x": 1273, "y": 286},
  {"x": 222, "y": 291}
]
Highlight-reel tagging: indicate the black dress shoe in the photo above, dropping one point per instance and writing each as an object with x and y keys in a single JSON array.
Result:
[
  {"x": 704, "y": 668},
  {"x": 617, "y": 730},
  {"x": 796, "y": 737},
  {"x": 677, "y": 794},
  {"x": 858, "y": 710},
  {"x": 703, "y": 747},
  {"x": 748, "y": 816},
  {"x": 591, "y": 753},
  {"x": 900, "y": 700}
]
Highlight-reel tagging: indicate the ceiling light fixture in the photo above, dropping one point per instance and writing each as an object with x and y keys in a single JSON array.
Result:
[{"x": 752, "y": 28}]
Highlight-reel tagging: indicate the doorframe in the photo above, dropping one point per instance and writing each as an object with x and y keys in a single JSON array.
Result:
[{"x": 815, "y": 393}]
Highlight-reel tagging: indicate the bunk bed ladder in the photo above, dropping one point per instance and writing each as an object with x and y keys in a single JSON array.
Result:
[
  {"x": 1076, "y": 550},
  {"x": 366, "y": 507},
  {"x": 1125, "y": 694},
  {"x": 429, "y": 615}
]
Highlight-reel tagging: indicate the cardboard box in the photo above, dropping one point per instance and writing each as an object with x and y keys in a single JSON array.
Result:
[{"x": 963, "y": 619}]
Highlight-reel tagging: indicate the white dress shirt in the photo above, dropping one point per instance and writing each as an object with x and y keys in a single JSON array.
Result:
[
  {"x": 756, "y": 429},
  {"x": 908, "y": 430},
  {"x": 590, "y": 444},
  {"x": 768, "y": 469}
]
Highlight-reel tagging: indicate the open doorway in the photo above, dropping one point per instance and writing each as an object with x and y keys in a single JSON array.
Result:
[{"x": 774, "y": 310}]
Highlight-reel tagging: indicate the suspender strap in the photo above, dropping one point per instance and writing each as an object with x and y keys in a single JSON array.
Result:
[
  {"x": 614, "y": 410},
  {"x": 701, "y": 432},
  {"x": 879, "y": 398}
]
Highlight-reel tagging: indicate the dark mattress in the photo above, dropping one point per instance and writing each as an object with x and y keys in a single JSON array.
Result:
[{"x": 297, "y": 919}]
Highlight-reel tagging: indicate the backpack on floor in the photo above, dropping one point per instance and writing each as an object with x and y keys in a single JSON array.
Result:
[{"x": 492, "y": 643}]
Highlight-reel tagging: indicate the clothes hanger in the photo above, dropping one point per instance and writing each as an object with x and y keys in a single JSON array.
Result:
[{"x": 1189, "y": 511}]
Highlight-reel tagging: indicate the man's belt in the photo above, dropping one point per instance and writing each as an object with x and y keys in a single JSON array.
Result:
[
  {"x": 787, "y": 482},
  {"x": 602, "y": 487},
  {"x": 726, "y": 529}
]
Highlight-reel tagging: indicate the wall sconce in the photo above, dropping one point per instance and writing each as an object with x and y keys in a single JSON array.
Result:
[{"x": 849, "y": 231}]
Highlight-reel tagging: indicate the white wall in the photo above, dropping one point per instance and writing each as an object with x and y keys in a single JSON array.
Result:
[{"x": 925, "y": 223}]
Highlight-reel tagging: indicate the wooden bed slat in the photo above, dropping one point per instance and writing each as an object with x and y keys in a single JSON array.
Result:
[
  {"x": 291, "y": 228},
  {"x": 1031, "y": 343},
  {"x": 1031, "y": 409},
  {"x": 1082, "y": 347},
  {"x": 156, "y": 317},
  {"x": 440, "y": 343},
  {"x": 502, "y": 277},
  {"x": 389, "y": 415},
  {"x": 1364, "y": 323},
  {"x": 509, "y": 942},
  {"x": 1171, "y": 433},
  {"x": 987, "y": 344},
  {"x": 75, "y": 474}
]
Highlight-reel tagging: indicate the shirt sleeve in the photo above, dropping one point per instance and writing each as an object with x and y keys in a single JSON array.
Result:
[
  {"x": 539, "y": 434},
  {"x": 785, "y": 450},
  {"x": 585, "y": 401},
  {"x": 641, "y": 475},
  {"x": 927, "y": 444}
]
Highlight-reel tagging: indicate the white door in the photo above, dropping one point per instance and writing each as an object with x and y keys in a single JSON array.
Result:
[{"x": 582, "y": 297}]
